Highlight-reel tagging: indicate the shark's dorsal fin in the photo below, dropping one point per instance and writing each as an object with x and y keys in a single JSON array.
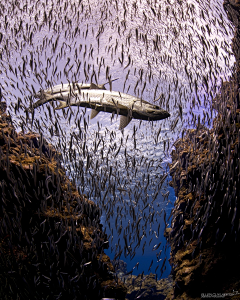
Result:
[
  {"x": 93, "y": 86},
  {"x": 124, "y": 121},
  {"x": 101, "y": 87},
  {"x": 62, "y": 104},
  {"x": 94, "y": 113}
]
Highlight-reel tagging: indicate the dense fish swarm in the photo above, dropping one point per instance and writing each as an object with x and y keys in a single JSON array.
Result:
[
  {"x": 174, "y": 54},
  {"x": 52, "y": 244},
  {"x": 204, "y": 233}
]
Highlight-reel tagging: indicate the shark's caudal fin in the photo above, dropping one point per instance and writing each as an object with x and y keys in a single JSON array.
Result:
[
  {"x": 124, "y": 121},
  {"x": 43, "y": 98},
  {"x": 94, "y": 113}
]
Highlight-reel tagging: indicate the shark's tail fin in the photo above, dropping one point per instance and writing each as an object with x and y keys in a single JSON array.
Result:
[{"x": 43, "y": 98}]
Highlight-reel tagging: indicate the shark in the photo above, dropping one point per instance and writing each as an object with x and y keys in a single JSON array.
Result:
[{"x": 98, "y": 98}]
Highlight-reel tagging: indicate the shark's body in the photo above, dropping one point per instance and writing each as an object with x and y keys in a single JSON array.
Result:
[{"x": 99, "y": 99}]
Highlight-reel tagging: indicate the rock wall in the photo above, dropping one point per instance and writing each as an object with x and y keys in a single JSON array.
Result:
[
  {"x": 51, "y": 242},
  {"x": 204, "y": 234}
]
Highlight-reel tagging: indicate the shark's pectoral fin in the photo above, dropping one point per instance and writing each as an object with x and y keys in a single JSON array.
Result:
[
  {"x": 124, "y": 121},
  {"x": 62, "y": 104},
  {"x": 94, "y": 113}
]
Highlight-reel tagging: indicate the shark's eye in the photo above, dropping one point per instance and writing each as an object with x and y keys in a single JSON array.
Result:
[{"x": 156, "y": 107}]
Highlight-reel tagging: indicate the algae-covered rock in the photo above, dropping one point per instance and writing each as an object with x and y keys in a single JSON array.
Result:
[
  {"x": 204, "y": 233},
  {"x": 147, "y": 287},
  {"x": 51, "y": 240}
]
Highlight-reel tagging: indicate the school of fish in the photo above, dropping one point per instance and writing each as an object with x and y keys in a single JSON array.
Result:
[{"x": 174, "y": 53}]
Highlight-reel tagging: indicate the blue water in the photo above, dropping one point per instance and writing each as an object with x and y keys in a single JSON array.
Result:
[{"x": 153, "y": 228}]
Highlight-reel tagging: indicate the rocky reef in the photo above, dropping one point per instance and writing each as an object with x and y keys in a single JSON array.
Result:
[
  {"x": 143, "y": 286},
  {"x": 51, "y": 240},
  {"x": 204, "y": 233},
  {"x": 146, "y": 287}
]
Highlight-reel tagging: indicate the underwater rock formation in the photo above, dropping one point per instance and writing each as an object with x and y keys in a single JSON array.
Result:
[
  {"x": 204, "y": 233},
  {"x": 146, "y": 287},
  {"x": 51, "y": 240}
]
